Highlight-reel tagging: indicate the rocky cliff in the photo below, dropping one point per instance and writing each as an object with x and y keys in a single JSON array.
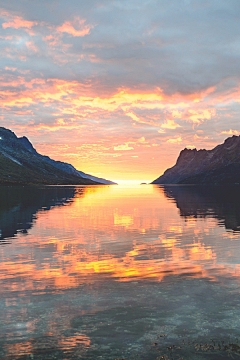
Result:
[
  {"x": 220, "y": 165},
  {"x": 20, "y": 163}
]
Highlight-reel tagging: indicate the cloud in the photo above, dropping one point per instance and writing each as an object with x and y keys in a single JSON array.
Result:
[
  {"x": 174, "y": 141},
  {"x": 123, "y": 147},
  {"x": 142, "y": 140},
  {"x": 170, "y": 124},
  {"x": 197, "y": 116},
  {"x": 133, "y": 116},
  {"x": 69, "y": 28},
  {"x": 15, "y": 22},
  {"x": 126, "y": 75},
  {"x": 230, "y": 132}
]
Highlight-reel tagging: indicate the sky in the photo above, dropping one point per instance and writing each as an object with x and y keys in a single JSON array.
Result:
[{"x": 118, "y": 88}]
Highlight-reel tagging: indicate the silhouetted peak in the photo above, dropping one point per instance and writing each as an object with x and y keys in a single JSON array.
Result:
[
  {"x": 231, "y": 141},
  {"x": 187, "y": 155},
  {"x": 6, "y": 134},
  {"x": 27, "y": 144}
]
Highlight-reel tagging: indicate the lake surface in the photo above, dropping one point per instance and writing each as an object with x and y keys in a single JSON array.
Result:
[{"x": 113, "y": 272}]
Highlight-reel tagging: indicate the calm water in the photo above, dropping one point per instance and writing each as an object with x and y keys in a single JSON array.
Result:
[{"x": 112, "y": 272}]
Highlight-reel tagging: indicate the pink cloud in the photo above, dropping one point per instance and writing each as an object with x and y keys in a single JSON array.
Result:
[
  {"x": 15, "y": 22},
  {"x": 31, "y": 46},
  {"x": 70, "y": 28},
  {"x": 18, "y": 23}
]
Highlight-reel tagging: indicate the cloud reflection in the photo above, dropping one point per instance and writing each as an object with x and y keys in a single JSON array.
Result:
[
  {"x": 115, "y": 233},
  {"x": 108, "y": 235}
]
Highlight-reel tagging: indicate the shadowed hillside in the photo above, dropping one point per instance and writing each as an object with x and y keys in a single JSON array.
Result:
[
  {"x": 21, "y": 164},
  {"x": 218, "y": 166}
]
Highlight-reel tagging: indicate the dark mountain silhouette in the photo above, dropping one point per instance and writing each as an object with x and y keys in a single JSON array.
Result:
[
  {"x": 19, "y": 206},
  {"x": 20, "y": 163},
  {"x": 216, "y": 202},
  {"x": 218, "y": 166}
]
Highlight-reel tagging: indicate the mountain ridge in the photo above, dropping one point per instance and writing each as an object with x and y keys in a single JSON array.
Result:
[
  {"x": 220, "y": 165},
  {"x": 20, "y": 163}
]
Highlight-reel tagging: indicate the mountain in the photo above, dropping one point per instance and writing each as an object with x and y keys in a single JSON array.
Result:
[
  {"x": 218, "y": 166},
  {"x": 62, "y": 165},
  {"x": 20, "y": 163}
]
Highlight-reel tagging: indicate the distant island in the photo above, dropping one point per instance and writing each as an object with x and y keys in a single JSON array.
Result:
[
  {"x": 219, "y": 166},
  {"x": 21, "y": 164}
]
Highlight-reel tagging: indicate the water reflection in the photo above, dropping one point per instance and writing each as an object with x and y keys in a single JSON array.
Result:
[
  {"x": 116, "y": 271},
  {"x": 222, "y": 203},
  {"x": 111, "y": 233},
  {"x": 19, "y": 206}
]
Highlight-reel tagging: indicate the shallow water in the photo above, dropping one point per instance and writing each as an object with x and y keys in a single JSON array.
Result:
[{"x": 113, "y": 272}]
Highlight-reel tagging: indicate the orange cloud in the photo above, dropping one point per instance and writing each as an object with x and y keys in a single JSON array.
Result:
[
  {"x": 72, "y": 96},
  {"x": 79, "y": 107}
]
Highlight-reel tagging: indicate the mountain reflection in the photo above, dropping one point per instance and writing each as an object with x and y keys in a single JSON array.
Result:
[
  {"x": 19, "y": 206},
  {"x": 112, "y": 233},
  {"x": 217, "y": 202}
]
